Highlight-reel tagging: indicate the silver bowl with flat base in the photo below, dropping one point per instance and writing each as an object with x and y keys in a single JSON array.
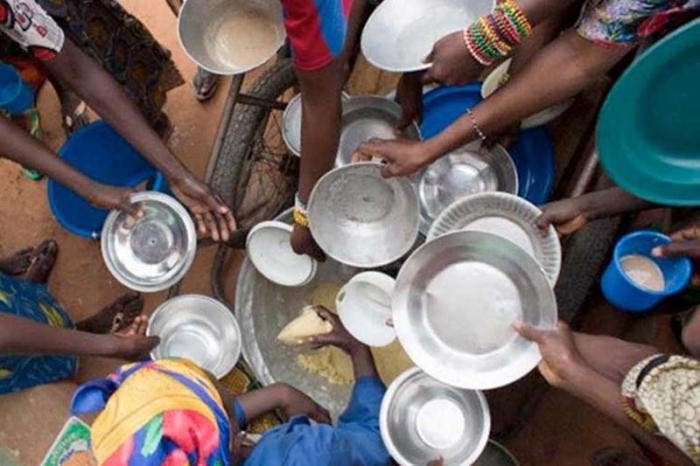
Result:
[
  {"x": 464, "y": 171},
  {"x": 153, "y": 252},
  {"x": 422, "y": 419},
  {"x": 366, "y": 117},
  {"x": 360, "y": 218},
  {"x": 400, "y": 34},
  {"x": 454, "y": 304},
  {"x": 198, "y": 328},
  {"x": 230, "y": 36}
]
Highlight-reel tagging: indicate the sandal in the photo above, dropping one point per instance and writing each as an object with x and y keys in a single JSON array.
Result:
[
  {"x": 205, "y": 84},
  {"x": 75, "y": 119}
]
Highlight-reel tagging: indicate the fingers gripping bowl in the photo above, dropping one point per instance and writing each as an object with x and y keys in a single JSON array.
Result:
[{"x": 454, "y": 304}]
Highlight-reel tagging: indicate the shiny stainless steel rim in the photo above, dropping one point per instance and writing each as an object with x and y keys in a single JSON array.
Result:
[
  {"x": 384, "y": 414},
  {"x": 237, "y": 351},
  {"x": 188, "y": 258}
]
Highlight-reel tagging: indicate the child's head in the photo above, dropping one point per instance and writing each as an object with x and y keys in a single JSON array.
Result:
[{"x": 157, "y": 412}]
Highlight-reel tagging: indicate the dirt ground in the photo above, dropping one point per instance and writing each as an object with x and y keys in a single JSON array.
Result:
[{"x": 562, "y": 431}]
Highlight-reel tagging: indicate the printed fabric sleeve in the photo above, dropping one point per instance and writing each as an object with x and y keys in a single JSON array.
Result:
[
  {"x": 615, "y": 23},
  {"x": 28, "y": 24}
]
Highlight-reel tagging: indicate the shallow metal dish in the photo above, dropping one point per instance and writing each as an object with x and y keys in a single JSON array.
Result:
[
  {"x": 291, "y": 123},
  {"x": 151, "y": 253},
  {"x": 198, "y": 328},
  {"x": 455, "y": 300},
  {"x": 421, "y": 419},
  {"x": 400, "y": 34},
  {"x": 366, "y": 117},
  {"x": 361, "y": 219},
  {"x": 268, "y": 246},
  {"x": 508, "y": 216},
  {"x": 264, "y": 308},
  {"x": 462, "y": 172},
  {"x": 200, "y": 22}
]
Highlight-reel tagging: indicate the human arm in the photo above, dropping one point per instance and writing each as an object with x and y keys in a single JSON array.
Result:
[
  {"x": 563, "y": 366},
  {"x": 89, "y": 81},
  {"x": 17, "y": 145},
  {"x": 559, "y": 71},
  {"x": 25, "y": 336},
  {"x": 320, "y": 130},
  {"x": 569, "y": 215},
  {"x": 604, "y": 395},
  {"x": 452, "y": 62},
  {"x": 284, "y": 397},
  {"x": 691, "y": 334}
]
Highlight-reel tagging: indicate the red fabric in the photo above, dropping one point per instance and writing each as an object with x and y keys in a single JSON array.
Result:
[
  {"x": 304, "y": 32},
  {"x": 122, "y": 455},
  {"x": 200, "y": 434}
]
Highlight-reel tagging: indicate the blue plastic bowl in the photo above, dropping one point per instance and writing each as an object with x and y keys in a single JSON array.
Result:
[
  {"x": 624, "y": 293},
  {"x": 16, "y": 95},
  {"x": 104, "y": 156},
  {"x": 532, "y": 154}
]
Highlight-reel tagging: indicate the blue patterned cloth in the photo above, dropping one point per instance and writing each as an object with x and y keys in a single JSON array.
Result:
[{"x": 32, "y": 301}]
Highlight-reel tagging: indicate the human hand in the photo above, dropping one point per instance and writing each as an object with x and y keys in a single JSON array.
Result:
[
  {"x": 452, "y": 64},
  {"x": 567, "y": 215},
  {"x": 409, "y": 94},
  {"x": 210, "y": 212},
  {"x": 685, "y": 242},
  {"x": 296, "y": 403},
  {"x": 402, "y": 157},
  {"x": 560, "y": 357},
  {"x": 111, "y": 197},
  {"x": 436, "y": 462},
  {"x": 303, "y": 243},
  {"x": 339, "y": 336},
  {"x": 132, "y": 343}
]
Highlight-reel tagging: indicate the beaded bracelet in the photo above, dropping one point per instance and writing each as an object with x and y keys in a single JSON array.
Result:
[
  {"x": 493, "y": 36},
  {"x": 473, "y": 49},
  {"x": 472, "y": 118}
]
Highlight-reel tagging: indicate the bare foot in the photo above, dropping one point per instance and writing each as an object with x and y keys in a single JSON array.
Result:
[
  {"x": 132, "y": 342},
  {"x": 42, "y": 262},
  {"x": 17, "y": 263},
  {"x": 117, "y": 316}
]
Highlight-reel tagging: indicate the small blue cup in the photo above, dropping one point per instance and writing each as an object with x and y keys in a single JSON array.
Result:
[
  {"x": 16, "y": 95},
  {"x": 623, "y": 293}
]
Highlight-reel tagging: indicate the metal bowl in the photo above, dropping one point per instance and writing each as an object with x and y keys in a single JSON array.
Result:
[
  {"x": 508, "y": 216},
  {"x": 154, "y": 252},
  {"x": 421, "y": 419},
  {"x": 231, "y": 36},
  {"x": 361, "y": 219},
  {"x": 454, "y": 303},
  {"x": 268, "y": 246},
  {"x": 366, "y": 117},
  {"x": 264, "y": 308},
  {"x": 198, "y": 328},
  {"x": 291, "y": 123},
  {"x": 400, "y": 34},
  {"x": 462, "y": 172}
]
